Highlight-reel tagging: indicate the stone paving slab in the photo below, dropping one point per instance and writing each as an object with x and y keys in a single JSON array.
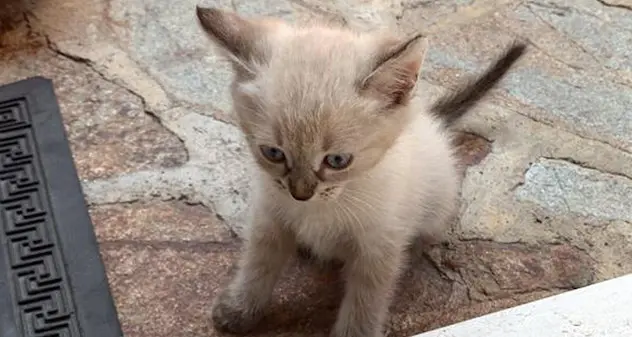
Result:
[
  {"x": 547, "y": 158},
  {"x": 168, "y": 277},
  {"x": 564, "y": 187},
  {"x": 109, "y": 131}
]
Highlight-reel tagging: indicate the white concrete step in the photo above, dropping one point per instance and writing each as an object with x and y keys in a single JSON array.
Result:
[{"x": 599, "y": 310}]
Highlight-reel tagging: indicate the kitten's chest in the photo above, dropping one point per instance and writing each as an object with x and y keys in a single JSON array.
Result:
[{"x": 324, "y": 231}]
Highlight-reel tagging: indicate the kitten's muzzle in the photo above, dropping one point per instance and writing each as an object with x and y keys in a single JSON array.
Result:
[{"x": 302, "y": 189}]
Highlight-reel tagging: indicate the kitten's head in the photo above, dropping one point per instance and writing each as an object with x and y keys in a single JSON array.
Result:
[{"x": 319, "y": 105}]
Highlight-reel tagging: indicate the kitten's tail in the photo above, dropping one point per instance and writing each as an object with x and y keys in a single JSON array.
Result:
[{"x": 453, "y": 106}]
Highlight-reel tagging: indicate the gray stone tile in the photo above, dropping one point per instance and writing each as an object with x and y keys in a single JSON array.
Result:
[
  {"x": 604, "y": 32},
  {"x": 167, "y": 41},
  {"x": 588, "y": 106},
  {"x": 108, "y": 129},
  {"x": 564, "y": 188}
]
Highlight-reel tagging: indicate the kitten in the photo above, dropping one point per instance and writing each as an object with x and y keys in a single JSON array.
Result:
[{"x": 347, "y": 163}]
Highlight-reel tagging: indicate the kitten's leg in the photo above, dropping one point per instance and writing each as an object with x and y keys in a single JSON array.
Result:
[
  {"x": 239, "y": 307},
  {"x": 371, "y": 278}
]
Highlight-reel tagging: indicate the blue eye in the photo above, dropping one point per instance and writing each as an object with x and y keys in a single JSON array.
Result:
[
  {"x": 338, "y": 161},
  {"x": 272, "y": 154}
]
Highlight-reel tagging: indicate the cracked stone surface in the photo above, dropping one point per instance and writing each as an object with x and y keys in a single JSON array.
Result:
[{"x": 547, "y": 158}]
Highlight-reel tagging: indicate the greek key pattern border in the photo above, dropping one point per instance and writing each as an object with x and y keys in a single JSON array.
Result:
[{"x": 38, "y": 281}]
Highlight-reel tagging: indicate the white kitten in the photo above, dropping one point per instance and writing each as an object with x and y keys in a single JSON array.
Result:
[{"x": 349, "y": 164}]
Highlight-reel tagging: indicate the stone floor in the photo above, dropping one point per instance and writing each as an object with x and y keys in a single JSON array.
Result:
[{"x": 546, "y": 203}]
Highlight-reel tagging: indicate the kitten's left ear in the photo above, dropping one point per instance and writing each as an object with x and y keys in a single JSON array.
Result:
[
  {"x": 395, "y": 70},
  {"x": 243, "y": 41}
]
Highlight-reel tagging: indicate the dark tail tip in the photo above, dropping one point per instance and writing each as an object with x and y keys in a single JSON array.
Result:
[{"x": 453, "y": 106}]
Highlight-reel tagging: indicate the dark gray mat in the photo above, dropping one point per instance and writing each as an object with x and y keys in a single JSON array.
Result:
[{"x": 52, "y": 278}]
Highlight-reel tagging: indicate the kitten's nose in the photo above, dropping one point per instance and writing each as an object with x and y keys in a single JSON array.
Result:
[
  {"x": 302, "y": 197},
  {"x": 301, "y": 190}
]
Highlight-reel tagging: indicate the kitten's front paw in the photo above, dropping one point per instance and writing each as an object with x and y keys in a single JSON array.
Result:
[{"x": 231, "y": 315}]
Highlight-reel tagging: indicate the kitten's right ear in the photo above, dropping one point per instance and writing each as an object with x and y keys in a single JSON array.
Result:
[
  {"x": 242, "y": 41},
  {"x": 395, "y": 69}
]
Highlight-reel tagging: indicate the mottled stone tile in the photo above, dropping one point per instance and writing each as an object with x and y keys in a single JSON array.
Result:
[
  {"x": 603, "y": 32},
  {"x": 109, "y": 131},
  {"x": 167, "y": 41},
  {"x": 165, "y": 289},
  {"x": 423, "y": 321},
  {"x": 499, "y": 271},
  {"x": 563, "y": 187},
  {"x": 471, "y": 148},
  {"x": 585, "y": 105},
  {"x": 557, "y": 81},
  {"x": 158, "y": 221},
  {"x": 11, "y": 14},
  {"x": 421, "y": 15}
]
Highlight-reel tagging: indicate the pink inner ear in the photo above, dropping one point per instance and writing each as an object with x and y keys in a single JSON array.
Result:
[
  {"x": 412, "y": 67},
  {"x": 409, "y": 73},
  {"x": 396, "y": 76},
  {"x": 395, "y": 82}
]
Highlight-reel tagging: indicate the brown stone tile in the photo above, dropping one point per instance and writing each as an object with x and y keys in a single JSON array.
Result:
[
  {"x": 305, "y": 303},
  {"x": 494, "y": 270},
  {"x": 422, "y": 292},
  {"x": 470, "y": 279},
  {"x": 471, "y": 148},
  {"x": 158, "y": 221},
  {"x": 109, "y": 131},
  {"x": 413, "y": 323},
  {"x": 11, "y": 13},
  {"x": 165, "y": 288},
  {"x": 18, "y": 41}
]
